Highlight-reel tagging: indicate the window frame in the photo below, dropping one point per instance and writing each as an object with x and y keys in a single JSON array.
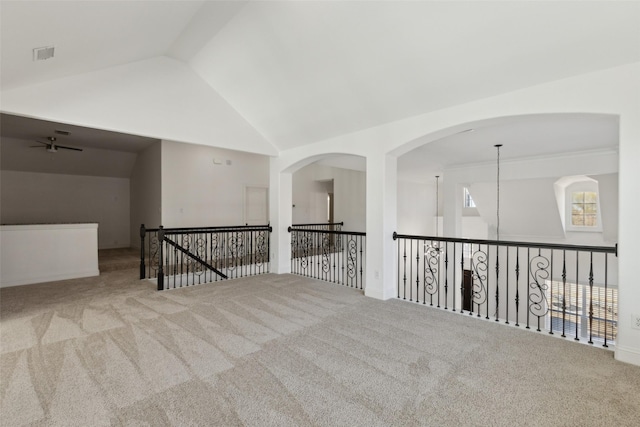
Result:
[
  {"x": 466, "y": 196},
  {"x": 582, "y": 187}
]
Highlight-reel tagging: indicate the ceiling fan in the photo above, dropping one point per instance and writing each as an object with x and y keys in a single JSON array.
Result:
[{"x": 52, "y": 147}]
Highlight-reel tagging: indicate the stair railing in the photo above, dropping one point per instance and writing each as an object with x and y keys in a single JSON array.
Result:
[{"x": 179, "y": 257}]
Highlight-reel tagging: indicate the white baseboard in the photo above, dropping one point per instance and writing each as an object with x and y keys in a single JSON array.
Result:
[
  {"x": 627, "y": 355},
  {"x": 53, "y": 278}
]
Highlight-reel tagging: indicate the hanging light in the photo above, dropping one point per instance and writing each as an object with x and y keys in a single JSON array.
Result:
[{"x": 434, "y": 249}]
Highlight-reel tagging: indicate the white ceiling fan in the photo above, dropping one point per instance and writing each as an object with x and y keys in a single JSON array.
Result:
[{"x": 52, "y": 147}]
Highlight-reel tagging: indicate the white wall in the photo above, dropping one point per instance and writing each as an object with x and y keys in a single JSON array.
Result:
[
  {"x": 146, "y": 191},
  {"x": 63, "y": 251},
  {"x": 36, "y": 198},
  {"x": 416, "y": 208},
  {"x": 196, "y": 192},
  {"x": 310, "y": 187},
  {"x": 349, "y": 196}
]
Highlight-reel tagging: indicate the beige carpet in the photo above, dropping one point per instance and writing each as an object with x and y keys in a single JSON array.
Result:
[{"x": 286, "y": 351}]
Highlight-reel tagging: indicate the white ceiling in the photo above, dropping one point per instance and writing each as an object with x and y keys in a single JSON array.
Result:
[
  {"x": 521, "y": 137},
  {"x": 104, "y": 153},
  {"x": 301, "y": 72},
  {"x": 30, "y": 130}
]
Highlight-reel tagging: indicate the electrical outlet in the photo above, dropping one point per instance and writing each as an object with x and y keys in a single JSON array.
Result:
[{"x": 635, "y": 321}]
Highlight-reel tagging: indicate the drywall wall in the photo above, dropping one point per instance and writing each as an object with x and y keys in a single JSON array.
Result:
[
  {"x": 416, "y": 208},
  {"x": 349, "y": 198},
  {"x": 310, "y": 187},
  {"x": 63, "y": 251},
  {"x": 146, "y": 191},
  {"x": 37, "y": 198},
  {"x": 204, "y": 186},
  {"x": 310, "y": 195}
]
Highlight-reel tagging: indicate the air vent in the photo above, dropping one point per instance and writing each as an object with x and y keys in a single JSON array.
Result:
[
  {"x": 62, "y": 132},
  {"x": 42, "y": 53}
]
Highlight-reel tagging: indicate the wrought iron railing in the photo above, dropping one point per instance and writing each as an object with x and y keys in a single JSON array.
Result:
[
  {"x": 179, "y": 257},
  {"x": 332, "y": 226},
  {"x": 330, "y": 255},
  {"x": 567, "y": 290}
]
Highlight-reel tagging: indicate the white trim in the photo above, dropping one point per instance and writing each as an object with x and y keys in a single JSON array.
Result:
[
  {"x": 25, "y": 227},
  {"x": 627, "y": 355},
  {"x": 53, "y": 278}
]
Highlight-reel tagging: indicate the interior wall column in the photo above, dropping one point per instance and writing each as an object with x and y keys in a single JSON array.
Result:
[
  {"x": 381, "y": 268},
  {"x": 452, "y": 206},
  {"x": 280, "y": 216},
  {"x": 628, "y": 339}
]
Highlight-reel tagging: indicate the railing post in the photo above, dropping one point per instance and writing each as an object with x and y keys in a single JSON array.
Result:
[
  {"x": 143, "y": 270},
  {"x": 160, "y": 258}
]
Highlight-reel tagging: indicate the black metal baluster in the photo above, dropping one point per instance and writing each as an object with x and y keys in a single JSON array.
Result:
[
  {"x": 143, "y": 269},
  {"x": 417, "y": 270},
  {"x": 551, "y": 297},
  {"x": 455, "y": 245},
  {"x": 472, "y": 265},
  {"x": 316, "y": 250},
  {"x": 606, "y": 295},
  {"x": 487, "y": 301},
  {"x": 506, "y": 305},
  {"x": 404, "y": 256},
  {"x": 497, "y": 280},
  {"x": 591, "y": 298},
  {"x": 577, "y": 295},
  {"x": 462, "y": 300},
  {"x": 398, "y": 269},
  {"x": 564, "y": 292},
  {"x": 424, "y": 272},
  {"x": 160, "y": 279},
  {"x": 333, "y": 257},
  {"x": 361, "y": 263},
  {"x": 528, "y": 286},
  {"x": 294, "y": 246},
  {"x": 446, "y": 274},
  {"x": 439, "y": 275},
  {"x": 517, "y": 286}
]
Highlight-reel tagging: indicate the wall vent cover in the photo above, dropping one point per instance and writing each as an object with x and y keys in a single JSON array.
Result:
[
  {"x": 61, "y": 132},
  {"x": 42, "y": 53}
]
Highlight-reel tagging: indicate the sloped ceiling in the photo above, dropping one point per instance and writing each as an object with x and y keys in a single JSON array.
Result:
[{"x": 293, "y": 73}]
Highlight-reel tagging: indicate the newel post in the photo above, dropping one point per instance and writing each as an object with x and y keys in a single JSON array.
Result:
[
  {"x": 160, "y": 258},
  {"x": 143, "y": 232}
]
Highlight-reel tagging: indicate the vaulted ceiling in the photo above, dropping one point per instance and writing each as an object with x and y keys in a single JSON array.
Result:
[{"x": 266, "y": 76}]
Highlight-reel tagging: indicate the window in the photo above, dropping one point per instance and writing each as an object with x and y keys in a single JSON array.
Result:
[
  {"x": 468, "y": 201},
  {"x": 584, "y": 209}
]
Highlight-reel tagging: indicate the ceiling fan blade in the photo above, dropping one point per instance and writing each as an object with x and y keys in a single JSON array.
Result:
[
  {"x": 36, "y": 146},
  {"x": 45, "y": 143},
  {"x": 68, "y": 148}
]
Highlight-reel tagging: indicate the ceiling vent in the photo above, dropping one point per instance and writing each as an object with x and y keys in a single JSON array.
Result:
[
  {"x": 62, "y": 132},
  {"x": 42, "y": 53}
]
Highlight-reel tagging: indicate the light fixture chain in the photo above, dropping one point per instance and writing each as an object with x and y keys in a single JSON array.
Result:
[{"x": 498, "y": 192}]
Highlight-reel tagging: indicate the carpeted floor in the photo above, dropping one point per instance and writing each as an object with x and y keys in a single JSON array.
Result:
[{"x": 282, "y": 350}]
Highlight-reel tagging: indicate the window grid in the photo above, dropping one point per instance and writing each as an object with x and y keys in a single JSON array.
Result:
[{"x": 584, "y": 208}]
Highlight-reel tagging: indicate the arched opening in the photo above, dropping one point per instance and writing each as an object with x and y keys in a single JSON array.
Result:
[{"x": 537, "y": 151}]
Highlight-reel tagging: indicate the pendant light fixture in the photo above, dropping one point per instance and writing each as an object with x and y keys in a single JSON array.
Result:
[{"x": 435, "y": 248}]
